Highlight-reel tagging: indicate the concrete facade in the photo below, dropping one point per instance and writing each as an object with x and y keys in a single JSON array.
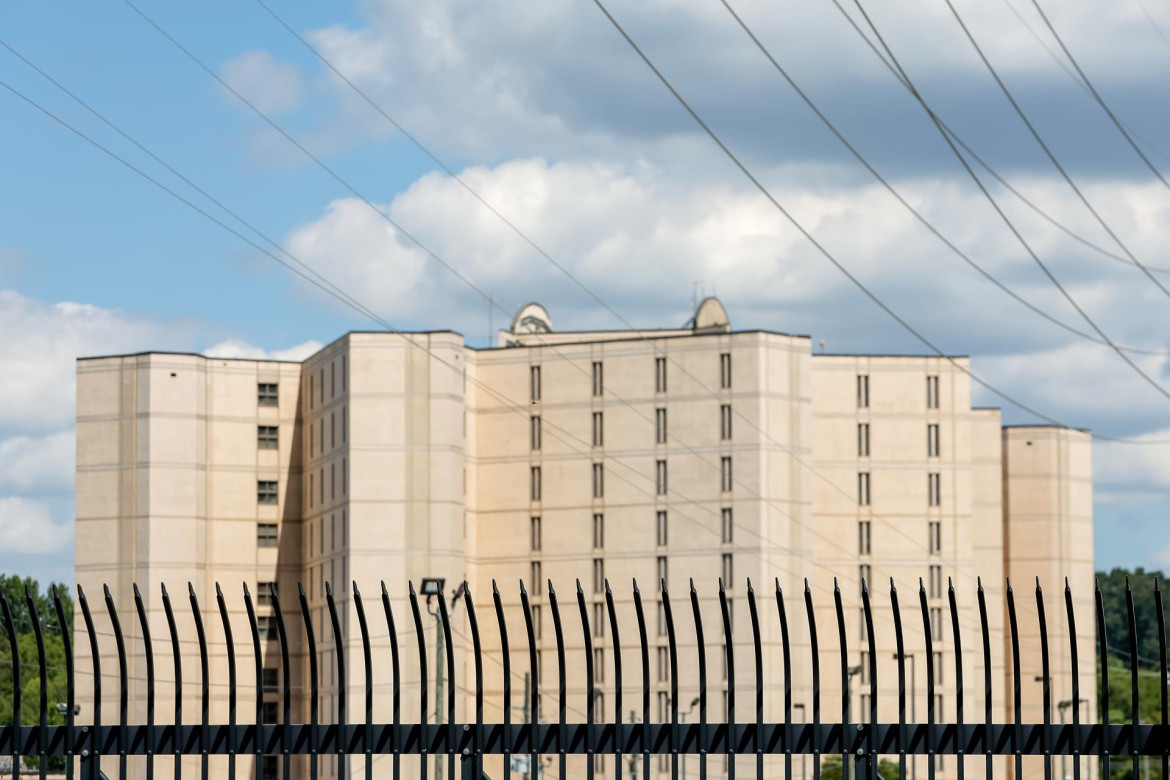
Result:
[{"x": 695, "y": 453}]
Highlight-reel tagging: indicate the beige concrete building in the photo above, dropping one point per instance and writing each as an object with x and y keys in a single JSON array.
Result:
[{"x": 693, "y": 453}]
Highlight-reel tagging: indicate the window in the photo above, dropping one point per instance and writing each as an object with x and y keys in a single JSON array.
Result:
[
  {"x": 266, "y": 535},
  {"x": 728, "y": 570},
  {"x": 269, "y": 713},
  {"x": 662, "y": 530},
  {"x": 936, "y": 623},
  {"x": 534, "y": 475},
  {"x": 663, "y": 657},
  {"x": 661, "y": 619},
  {"x": 661, "y": 472},
  {"x": 726, "y": 473},
  {"x": 534, "y": 536},
  {"x": 310, "y": 391},
  {"x": 932, "y": 440},
  {"x": 321, "y": 384},
  {"x": 935, "y": 537},
  {"x": 310, "y": 491},
  {"x": 725, "y": 422},
  {"x": 863, "y": 708},
  {"x": 332, "y": 430},
  {"x": 344, "y": 372},
  {"x": 266, "y": 627},
  {"x": 598, "y": 382},
  {"x": 537, "y": 626},
  {"x": 660, "y": 375},
  {"x": 864, "y": 576},
  {"x": 534, "y": 382},
  {"x": 535, "y": 432},
  {"x": 935, "y": 582},
  {"x": 345, "y": 476},
  {"x": 344, "y": 422},
  {"x": 863, "y": 539},
  {"x": 863, "y": 440},
  {"x": 266, "y": 492},
  {"x": 332, "y": 481},
  {"x": 863, "y": 391},
  {"x": 934, "y": 488},
  {"x": 725, "y": 370},
  {"x": 727, "y": 526},
  {"x": 598, "y": 664},
  {"x": 264, "y": 593},
  {"x": 598, "y": 575},
  {"x": 662, "y": 571},
  {"x": 932, "y": 392},
  {"x": 598, "y": 429},
  {"x": 863, "y": 488},
  {"x": 322, "y": 434},
  {"x": 332, "y": 380},
  {"x": 598, "y": 480},
  {"x": 663, "y": 717},
  {"x": 312, "y": 439},
  {"x": 599, "y": 620},
  {"x": 266, "y": 394},
  {"x": 322, "y": 489},
  {"x": 535, "y": 583},
  {"x": 938, "y": 668},
  {"x": 270, "y": 677},
  {"x": 598, "y": 531},
  {"x": 660, "y": 426},
  {"x": 863, "y": 662}
]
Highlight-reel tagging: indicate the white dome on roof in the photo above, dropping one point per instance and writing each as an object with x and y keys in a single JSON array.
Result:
[{"x": 532, "y": 318}]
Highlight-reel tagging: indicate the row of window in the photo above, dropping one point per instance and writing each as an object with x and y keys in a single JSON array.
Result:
[
  {"x": 316, "y": 390},
  {"x": 314, "y": 439},
  {"x": 598, "y": 377},
  {"x": 933, "y": 488},
  {"x": 934, "y": 541},
  {"x": 864, "y": 576},
  {"x": 319, "y": 480},
  {"x": 937, "y": 662},
  {"x": 662, "y": 530},
  {"x": 536, "y": 438},
  {"x": 932, "y": 440},
  {"x": 536, "y": 487},
  {"x": 932, "y": 395}
]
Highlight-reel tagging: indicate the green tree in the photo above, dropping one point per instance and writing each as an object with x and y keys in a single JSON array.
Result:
[{"x": 14, "y": 590}]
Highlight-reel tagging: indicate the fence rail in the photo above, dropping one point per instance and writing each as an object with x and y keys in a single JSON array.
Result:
[{"x": 354, "y": 733}]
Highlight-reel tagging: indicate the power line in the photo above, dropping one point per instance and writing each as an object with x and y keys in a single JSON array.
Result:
[
  {"x": 999, "y": 211},
  {"x": 1097, "y": 96},
  {"x": 1048, "y": 151},
  {"x": 1153, "y": 23},
  {"x": 816, "y": 244},
  {"x": 901, "y": 200}
]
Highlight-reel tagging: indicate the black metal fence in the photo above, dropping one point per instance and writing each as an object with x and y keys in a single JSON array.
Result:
[{"x": 354, "y": 736}]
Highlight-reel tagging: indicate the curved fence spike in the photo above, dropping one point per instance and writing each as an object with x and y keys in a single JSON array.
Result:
[
  {"x": 1074, "y": 662},
  {"x": 368, "y": 669},
  {"x": 422, "y": 677},
  {"x": 590, "y": 690},
  {"x": 177, "y": 658},
  {"x": 988, "y": 698},
  {"x": 314, "y": 684},
  {"x": 789, "y": 742},
  {"x": 204, "y": 682},
  {"x": 123, "y": 682},
  {"x": 843, "y": 649},
  {"x": 562, "y": 693},
  {"x": 1017, "y": 726},
  {"x": 701, "y": 658},
  {"x": 225, "y": 621},
  {"x": 396, "y": 685},
  {"x": 449, "y": 727},
  {"x": 729, "y": 659},
  {"x": 17, "y": 684},
  {"x": 1131, "y": 624},
  {"x": 1046, "y": 679},
  {"x": 816, "y": 678},
  {"x": 341, "y": 748},
  {"x": 960, "y": 764},
  {"x": 643, "y": 741},
  {"x": 92, "y": 766},
  {"x": 928, "y": 630},
  {"x": 506, "y": 657},
  {"x": 616, "y": 643},
  {"x": 286, "y": 742},
  {"x": 477, "y": 660},
  {"x": 259, "y": 740},
  {"x": 1164, "y": 672},
  {"x": 1103, "y": 652},
  {"x": 674, "y": 742},
  {"x": 758, "y": 657},
  {"x": 901, "y": 742},
  {"x": 534, "y": 675},
  {"x": 65, "y": 628},
  {"x": 870, "y": 751},
  {"x": 43, "y": 687},
  {"x": 148, "y": 652}
]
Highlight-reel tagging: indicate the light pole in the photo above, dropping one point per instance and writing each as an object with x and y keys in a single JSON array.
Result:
[
  {"x": 432, "y": 587},
  {"x": 804, "y": 754},
  {"x": 1061, "y": 707},
  {"x": 913, "y": 718}
]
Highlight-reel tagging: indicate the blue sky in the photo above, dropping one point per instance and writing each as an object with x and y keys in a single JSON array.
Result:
[{"x": 546, "y": 112}]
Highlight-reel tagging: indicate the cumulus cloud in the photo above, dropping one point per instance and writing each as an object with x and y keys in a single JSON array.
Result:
[
  {"x": 27, "y": 527},
  {"x": 273, "y": 87},
  {"x": 238, "y": 348},
  {"x": 38, "y": 464},
  {"x": 1160, "y": 558}
]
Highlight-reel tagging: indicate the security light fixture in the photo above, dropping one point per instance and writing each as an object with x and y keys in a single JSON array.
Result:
[{"x": 432, "y": 586}]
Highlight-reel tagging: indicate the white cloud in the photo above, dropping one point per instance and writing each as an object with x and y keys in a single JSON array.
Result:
[
  {"x": 27, "y": 527},
  {"x": 237, "y": 348},
  {"x": 1160, "y": 558},
  {"x": 273, "y": 87},
  {"x": 38, "y": 464},
  {"x": 40, "y": 346}
]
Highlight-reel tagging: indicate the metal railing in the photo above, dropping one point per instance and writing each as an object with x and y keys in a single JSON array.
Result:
[{"x": 355, "y": 734}]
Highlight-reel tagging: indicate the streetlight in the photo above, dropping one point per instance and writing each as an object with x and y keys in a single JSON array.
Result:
[
  {"x": 1061, "y": 707},
  {"x": 433, "y": 587},
  {"x": 913, "y": 718}
]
